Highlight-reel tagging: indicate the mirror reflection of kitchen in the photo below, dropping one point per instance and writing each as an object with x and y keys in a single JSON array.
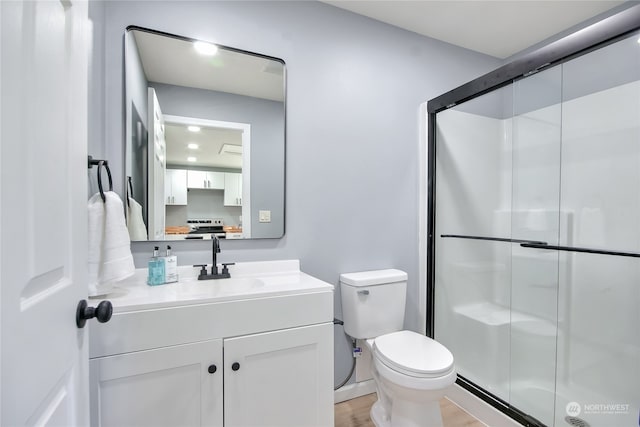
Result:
[
  {"x": 191, "y": 116},
  {"x": 210, "y": 160}
]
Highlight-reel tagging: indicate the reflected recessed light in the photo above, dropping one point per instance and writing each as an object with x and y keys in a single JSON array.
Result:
[
  {"x": 205, "y": 48},
  {"x": 193, "y": 128},
  {"x": 639, "y": 41},
  {"x": 191, "y": 159},
  {"x": 192, "y": 146}
]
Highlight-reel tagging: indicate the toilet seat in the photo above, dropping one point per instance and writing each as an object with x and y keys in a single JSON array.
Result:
[
  {"x": 392, "y": 376},
  {"x": 413, "y": 354}
]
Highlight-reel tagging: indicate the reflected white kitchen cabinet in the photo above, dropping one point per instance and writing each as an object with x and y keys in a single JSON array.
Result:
[
  {"x": 273, "y": 378},
  {"x": 232, "y": 189},
  {"x": 175, "y": 187},
  {"x": 205, "y": 180},
  {"x": 169, "y": 386}
]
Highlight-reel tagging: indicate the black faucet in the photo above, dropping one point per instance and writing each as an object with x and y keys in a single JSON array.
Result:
[
  {"x": 224, "y": 274},
  {"x": 215, "y": 250}
]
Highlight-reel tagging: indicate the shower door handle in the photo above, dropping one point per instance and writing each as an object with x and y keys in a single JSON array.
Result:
[{"x": 583, "y": 250}]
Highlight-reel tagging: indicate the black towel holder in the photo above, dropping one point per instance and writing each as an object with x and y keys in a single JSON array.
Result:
[
  {"x": 101, "y": 163},
  {"x": 130, "y": 190}
]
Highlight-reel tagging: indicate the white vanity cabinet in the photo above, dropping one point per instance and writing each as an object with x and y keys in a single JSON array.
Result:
[
  {"x": 232, "y": 189},
  {"x": 246, "y": 351},
  {"x": 175, "y": 187}
]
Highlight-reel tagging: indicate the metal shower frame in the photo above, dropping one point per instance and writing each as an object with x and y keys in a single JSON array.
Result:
[{"x": 602, "y": 33}]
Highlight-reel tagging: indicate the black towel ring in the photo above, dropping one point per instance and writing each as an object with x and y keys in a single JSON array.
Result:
[
  {"x": 106, "y": 166},
  {"x": 130, "y": 188},
  {"x": 101, "y": 163}
]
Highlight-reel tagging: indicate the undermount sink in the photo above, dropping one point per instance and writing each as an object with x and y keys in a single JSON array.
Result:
[{"x": 248, "y": 280}]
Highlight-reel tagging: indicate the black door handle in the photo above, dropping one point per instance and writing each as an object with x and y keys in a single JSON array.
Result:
[
  {"x": 102, "y": 312},
  {"x": 235, "y": 366},
  {"x": 212, "y": 369}
]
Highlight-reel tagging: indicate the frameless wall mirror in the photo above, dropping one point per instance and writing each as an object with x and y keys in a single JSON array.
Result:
[{"x": 205, "y": 139}]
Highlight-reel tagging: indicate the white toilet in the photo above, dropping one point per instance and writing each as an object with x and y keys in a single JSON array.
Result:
[{"x": 411, "y": 371}]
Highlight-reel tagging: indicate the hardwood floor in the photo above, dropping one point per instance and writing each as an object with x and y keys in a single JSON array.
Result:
[{"x": 355, "y": 413}]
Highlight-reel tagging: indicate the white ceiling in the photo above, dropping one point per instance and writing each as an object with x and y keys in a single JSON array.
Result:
[
  {"x": 174, "y": 61},
  {"x": 209, "y": 141},
  {"x": 496, "y": 28}
]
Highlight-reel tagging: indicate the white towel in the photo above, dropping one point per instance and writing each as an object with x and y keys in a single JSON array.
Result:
[
  {"x": 135, "y": 223},
  {"x": 110, "y": 258}
]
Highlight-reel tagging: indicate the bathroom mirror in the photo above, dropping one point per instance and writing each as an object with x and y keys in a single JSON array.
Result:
[{"x": 205, "y": 139}]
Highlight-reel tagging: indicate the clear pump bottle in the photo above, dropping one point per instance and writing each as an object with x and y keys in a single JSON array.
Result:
[
  {"x": 156, "y": 269},
  {"x": 170, "y": 267}
]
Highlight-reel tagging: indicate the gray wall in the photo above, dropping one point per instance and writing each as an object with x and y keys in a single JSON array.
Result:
[
  {"x": 96, "y": 92},
  {"x": 137, "y": 126},
  {"x": 267, "y": 148},
  {"x": 354, "y": 87},
  {"x": 136, "y": 95}
]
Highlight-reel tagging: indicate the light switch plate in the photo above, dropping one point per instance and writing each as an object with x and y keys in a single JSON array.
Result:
[{"x": 264, "y": 216}]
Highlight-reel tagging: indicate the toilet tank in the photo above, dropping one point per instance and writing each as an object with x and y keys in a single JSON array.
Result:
[{"x": 373, "y": 302}]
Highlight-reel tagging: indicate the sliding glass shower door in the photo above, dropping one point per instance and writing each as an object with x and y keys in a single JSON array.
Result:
[
  {"x": 473, "y": 262},
  {"x": 498, "y": 180},
  {"x": 537, "y": 236},
  {"x": 536, "y": 217},
  {"x": 598, "y": 360}
]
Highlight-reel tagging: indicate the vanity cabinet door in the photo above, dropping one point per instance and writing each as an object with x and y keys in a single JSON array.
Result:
[
  {"x": 176, "y": 187},
  {"x": 232, "y": 189},
  {"x": 170, "y": 386},
  {"x": 282, "y": 378}
]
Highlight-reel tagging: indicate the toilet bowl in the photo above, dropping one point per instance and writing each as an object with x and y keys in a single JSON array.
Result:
[{"x": 412, "y": 372}]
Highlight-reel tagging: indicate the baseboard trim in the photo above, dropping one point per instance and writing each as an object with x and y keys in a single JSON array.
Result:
[
  {"x": 476, "y": 407},
  {"x": 353, "y": 390}
]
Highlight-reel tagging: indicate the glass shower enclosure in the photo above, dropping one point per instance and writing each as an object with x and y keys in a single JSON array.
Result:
[{"x": 535, "y": 234}]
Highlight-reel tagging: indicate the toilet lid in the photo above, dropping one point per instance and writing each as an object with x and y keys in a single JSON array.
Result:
[{"x": 413, "y": 354}]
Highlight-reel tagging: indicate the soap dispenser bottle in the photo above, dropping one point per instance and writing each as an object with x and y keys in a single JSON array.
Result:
[
  {"x": 156, "y": 269},
  {"x": 170, "y": 267}
]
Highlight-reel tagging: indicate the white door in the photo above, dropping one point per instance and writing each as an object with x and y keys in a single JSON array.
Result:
[
  {"x": 157, "y": 165},
  {"x": 282, "y": 378},
  {"x": 43, "y": 222}
]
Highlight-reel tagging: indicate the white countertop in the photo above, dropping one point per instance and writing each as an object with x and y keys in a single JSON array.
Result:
[{"x": 248, "y": 280}]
